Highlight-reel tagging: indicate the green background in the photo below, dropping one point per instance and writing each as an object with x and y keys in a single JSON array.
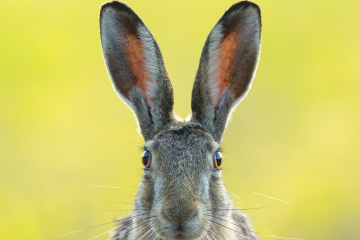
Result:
[{"x": 295, "y": 137}]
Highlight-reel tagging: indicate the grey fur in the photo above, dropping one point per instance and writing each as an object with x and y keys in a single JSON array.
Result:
[{"x": 181, "y": 195}]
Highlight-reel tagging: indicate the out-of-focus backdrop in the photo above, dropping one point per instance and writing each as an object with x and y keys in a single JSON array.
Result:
[{"x": 295, "y": 137}]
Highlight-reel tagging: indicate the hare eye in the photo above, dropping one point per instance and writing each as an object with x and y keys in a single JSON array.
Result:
[
  {"x": 218, "y": 159},
  {"x": 146, "y": 159}
]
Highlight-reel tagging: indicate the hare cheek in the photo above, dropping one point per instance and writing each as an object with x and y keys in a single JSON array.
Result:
[
  {"x": 203, "y": 195},
  {"x": 159, "y": 188}
]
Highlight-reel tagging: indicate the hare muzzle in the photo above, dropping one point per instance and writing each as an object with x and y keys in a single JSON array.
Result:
[{"x": 179, "y": 211}]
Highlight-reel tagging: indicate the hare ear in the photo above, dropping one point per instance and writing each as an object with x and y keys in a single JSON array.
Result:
[
  {"x": 135, "y": 66},
  {"x": 227, "y": 66}
]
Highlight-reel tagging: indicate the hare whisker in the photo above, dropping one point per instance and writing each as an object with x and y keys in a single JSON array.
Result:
[
  {"x": 200, "y": 236},
  {"x": 157, "y": 235},
  {"x": 213, "y": 230},
  {"x": 153, "y": 232},
  {"x": 133, "y": 222},
  {"x": 141, "y": 224},
  {"x": 136, "y": 215},
  {"x": 129, "y": 224},
  {"x": 108, "y": 202},
  {"x": 126, "y": 218},
  {"x": 238, "y": 225},
  {"x": 256, "y": 193},
  {"x": 216, "y": 233},
  {"x": 224, "y": 220},
  {"x": 231, "y": 229},
  {"x": 100, "y": 225},
  {"x": 273, "y": 236},
  {"x": 222, "y": 234},
  {"x": 74, "y": 232},
  {"x": 203, "y": 235},
  {"x": 137, "y": 221},
  {"x": 89, "y": 228},
  {"x": 125, "y": 210},
  {"x": 150, "y": 230},
  {"x": 242, "y": 209},
  {"x": 146, "y": 233},
  {"x": 128, "y": 121},
  {"x": 124, "y": 192},
  {"x": 115, "y": 189},
  {"x": 139, "y": 232},
  {"x": 93, "y": 238},
  {"x": 101, "y": 186},
  {"x": 209, "y": 234}
]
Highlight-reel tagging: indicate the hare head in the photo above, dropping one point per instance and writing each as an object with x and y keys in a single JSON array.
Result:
[{"x": 181, "y": 195}]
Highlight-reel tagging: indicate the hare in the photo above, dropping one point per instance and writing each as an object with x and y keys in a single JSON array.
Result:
[{"x": 181, "y": 194}]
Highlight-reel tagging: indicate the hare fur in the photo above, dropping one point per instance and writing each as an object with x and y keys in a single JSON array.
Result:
[{"x": 181, "y": 194}]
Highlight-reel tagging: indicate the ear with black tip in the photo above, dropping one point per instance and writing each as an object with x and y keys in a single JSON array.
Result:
[
  {"x": 227, "y": 66},
  {"x": 135, "y": 67}
]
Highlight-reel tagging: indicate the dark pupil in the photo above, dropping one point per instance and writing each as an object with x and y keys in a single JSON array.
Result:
[
  {"x": 218, "y": 158},
  {"x": 145, "y": 158}
]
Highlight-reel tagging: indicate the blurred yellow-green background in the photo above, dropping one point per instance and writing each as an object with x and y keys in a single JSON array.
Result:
[{"x": 295, "y": 137}]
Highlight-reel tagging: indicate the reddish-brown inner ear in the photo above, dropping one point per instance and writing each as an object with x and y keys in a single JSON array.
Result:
[
  {"x": 226, "y": 65},
  {"x": 136, "y": 59}
]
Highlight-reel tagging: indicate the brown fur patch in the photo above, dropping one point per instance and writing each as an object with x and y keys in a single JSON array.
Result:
[
  {"x": 134, "y": 51},
  {"x": 226, "y": 63}
]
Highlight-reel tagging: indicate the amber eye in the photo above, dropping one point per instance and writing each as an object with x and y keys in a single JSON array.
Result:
[
  {"x": 217, "y": 160},
  {"x": 146, "y": 159}
]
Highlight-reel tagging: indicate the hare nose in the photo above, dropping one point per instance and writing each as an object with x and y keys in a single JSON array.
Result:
[{"x": 179, "y": 211}]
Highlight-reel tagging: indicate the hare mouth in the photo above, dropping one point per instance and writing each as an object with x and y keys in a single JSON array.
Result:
[
  {"x": 187, "y": 231},
  {"x": 183, "y": 235},
  {"x": 181, "y": 232},
  {"x": 180, "y": 236}
]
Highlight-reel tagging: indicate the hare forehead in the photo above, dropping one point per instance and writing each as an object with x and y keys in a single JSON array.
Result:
[
  {"x": 176, "y": 150},
  {"x": 183, "y": 143}
]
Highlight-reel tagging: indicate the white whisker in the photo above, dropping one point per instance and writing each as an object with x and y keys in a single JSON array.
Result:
[
  {"x": 93, "y": 238},
  {"x": 269, "y": 197},
  {"x": 72, "y": 232},
  {"x": 102, "y": 186},
  {"x": 273, "y": 236}
]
